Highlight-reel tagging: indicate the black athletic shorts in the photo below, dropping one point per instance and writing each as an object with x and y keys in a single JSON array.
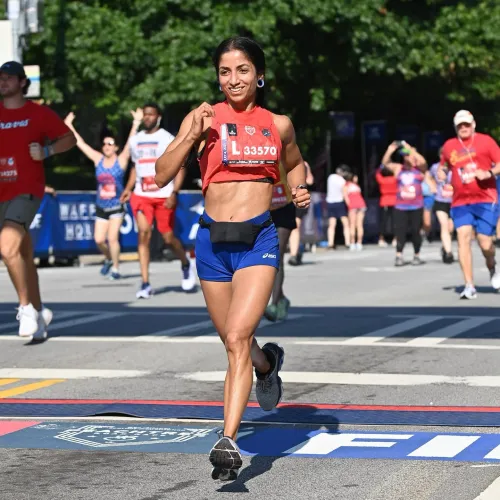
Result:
[
  {"x": 284, "y": 217},
  {"x": 440, "y": 206},
  {"x": 118, "y": 212}
]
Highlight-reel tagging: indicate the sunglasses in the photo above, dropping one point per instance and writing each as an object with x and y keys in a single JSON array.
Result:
[
  {"x": 109, "y": 143},
  {"x": 464, "y": 124}
]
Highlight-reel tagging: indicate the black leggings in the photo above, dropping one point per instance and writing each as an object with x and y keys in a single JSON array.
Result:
[
  {"x": 386, "y": 217},
  {"x": 408, "y": 221}
]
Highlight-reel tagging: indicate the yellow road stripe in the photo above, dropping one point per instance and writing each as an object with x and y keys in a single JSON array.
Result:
[
  {"x": 7, "y": 381},
  {"x": 28, "y": 387}
]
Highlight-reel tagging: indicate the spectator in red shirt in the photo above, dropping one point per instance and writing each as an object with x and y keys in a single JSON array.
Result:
[
  {"x": 29, "y": 133},
  {"x": 388, "y": 187},
  {"x": 470, "y": 157}
]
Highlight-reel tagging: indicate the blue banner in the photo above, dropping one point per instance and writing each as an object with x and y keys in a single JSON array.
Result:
[
  {"x": 408, "y": 133},
  {"x": 344, "y": 126},
  {"x": 64, "y": 224}
]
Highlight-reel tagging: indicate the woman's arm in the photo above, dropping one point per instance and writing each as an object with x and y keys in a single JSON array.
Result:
[
  {"x": 124, "y": 156},
  {"x": 90, "y": 153}
]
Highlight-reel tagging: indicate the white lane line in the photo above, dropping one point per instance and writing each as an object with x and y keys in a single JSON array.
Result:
[
  {"x": 389, "y": 331},
  {"x": 429, "y": 344},
  {"x": 57, "y": 316},
  {"x": 180, "y": 330},
  {"x": 492, "y": 492},
  {"x": 82, "y": 321},
  {"x": 365, "y": 379},
  {"x": 444, "y": 446},
  {"x": 68, "y": 373},
  {"x": 442, "y": 334}
]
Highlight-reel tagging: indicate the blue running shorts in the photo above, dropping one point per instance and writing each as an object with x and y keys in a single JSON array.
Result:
[
  {"x": 219, "y": 261},
  {"x": 482, "y": 217}
]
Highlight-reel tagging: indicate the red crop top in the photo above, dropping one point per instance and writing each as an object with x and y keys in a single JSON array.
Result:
[{"x": 241, "y": 146}]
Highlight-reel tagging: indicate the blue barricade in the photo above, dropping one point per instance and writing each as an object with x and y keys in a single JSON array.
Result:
[{"x": 64, "y": 224}]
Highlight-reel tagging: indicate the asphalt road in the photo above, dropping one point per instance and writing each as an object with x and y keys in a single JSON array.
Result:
[{"x": 360, "y": 332}]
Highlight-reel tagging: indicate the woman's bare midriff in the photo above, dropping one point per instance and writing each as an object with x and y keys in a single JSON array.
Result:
[{"x": 237, "y": 201}]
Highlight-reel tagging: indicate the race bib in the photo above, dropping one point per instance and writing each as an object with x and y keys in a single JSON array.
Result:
[
  {"x": 408, "y": 192},
  {"x": 107, "y": 191},
  {"x": 148, "y": 184},
  {"x": 468, "y": 173},
  {"x": 447, "y": 191},
  {"x": 247, "y": 145},
  {"x": 279, "y": 195},
  {"x": 8, "y": 170}
]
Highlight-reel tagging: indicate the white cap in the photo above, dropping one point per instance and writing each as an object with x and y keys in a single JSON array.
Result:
[{"x": 463, "y": 116}]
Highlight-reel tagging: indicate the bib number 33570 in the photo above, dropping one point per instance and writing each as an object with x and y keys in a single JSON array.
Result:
[{"x": 245, "y": 145}]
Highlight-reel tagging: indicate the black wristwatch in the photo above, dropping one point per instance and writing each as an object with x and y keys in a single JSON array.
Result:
[{"x": 302, "y": 186}]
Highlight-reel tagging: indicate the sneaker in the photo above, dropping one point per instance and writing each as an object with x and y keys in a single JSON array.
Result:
[
  {"x": 495, "y": 279},
  {"x": 41, "y": 333},
  {"x": 145, "y": 292},
  {"x": 416, "y": 261},
  {"x": 448, "y": 258},
  {"x": 352, "y": 247},
  {"x": 399, "y": 261},
  {"x": 28, "y": 320},
  {"x": 269, "y": 387},
  {"x": 225, "y": 456},
  {"x": 469, "y": 292},
  {"x": 188, "y": 278},
  {"x": 106, "y": 267},
  {"x": 114, "y": 276},
  {"x": 359, "y": 246},
  {"x": 382, "y": 244},
  {"x": 47, "y": 315},
  {"x": 294, "y": 261},
  {"x": 271, "y": 312},
  {"x": 282, "y": 309}
]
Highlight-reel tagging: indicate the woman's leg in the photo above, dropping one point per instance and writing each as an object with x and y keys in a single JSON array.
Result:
[
  {"x": 400, "y": 230},
  {"x": 332, "y": 224},
  {"x": 283, "y": 237},
  {"x": 360, "y": 219},
  {"x": 295, "y": 239},
  {"x": 416, "y": 219},
  {"x": 100, "y": 231},
  {"x": 114, "y": 240},
  {"x": 347, "y": 232},
  {"x": 351, "y": 215},
  {"x": 444, "y": 220}
]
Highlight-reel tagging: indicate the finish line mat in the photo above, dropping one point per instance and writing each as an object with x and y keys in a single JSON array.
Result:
[
  {"x": 285, "y": 413},
  {"x": 254, "y": 440}
]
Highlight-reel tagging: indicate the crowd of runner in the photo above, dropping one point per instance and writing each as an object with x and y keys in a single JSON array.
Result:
[{"x": 256, "y": 188}]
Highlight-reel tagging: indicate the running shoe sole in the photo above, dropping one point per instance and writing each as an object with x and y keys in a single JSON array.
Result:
[{"x": 226, "y": 460}]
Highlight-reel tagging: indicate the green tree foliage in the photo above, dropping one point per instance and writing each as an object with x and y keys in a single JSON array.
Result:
[{"x": 417, "y": 59}]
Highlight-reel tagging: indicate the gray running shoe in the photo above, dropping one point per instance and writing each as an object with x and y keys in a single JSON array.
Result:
[
  {"x": 269, "y": 387},
  {"x": 399, "y": 262},
  {"x": 226, "y": 459},
  {"x": 469, "y": 292}
]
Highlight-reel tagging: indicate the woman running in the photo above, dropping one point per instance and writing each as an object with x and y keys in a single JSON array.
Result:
[
  {"x": 295, "y": 253},
  {"x": 442, "y": 206},
  {"x": 388, "y": 187},
  {"x": 283, "y": 215},
  {"x": 408, "y": 167},
  {"x": 240, "y": 147},
  {"x": 110, "y": 170},
  {"x": 356, "y": 207}
]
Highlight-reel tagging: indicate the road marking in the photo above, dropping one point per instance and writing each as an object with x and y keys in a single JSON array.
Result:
[
  {"x": 7, "y": 381},
  {"x": 389, "y": 331},
  {"x": 444, "y": 446},
  {"x": 15, "y": 324},
  {"x": 82, "y": 321},
  {"x": 379, "y": 379},
  {"x": 492, "y": 492},
  {"x": 429, "y": 344},
  {"x": 180, "y": 330},
  {"x": 69, "y": 373},
  {"x": 23, "y": 389}
]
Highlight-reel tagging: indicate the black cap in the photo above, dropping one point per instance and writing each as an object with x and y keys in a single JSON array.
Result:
[{"x": 13, "y": 68}]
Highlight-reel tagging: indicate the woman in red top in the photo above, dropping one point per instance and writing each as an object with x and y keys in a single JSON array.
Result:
[
  {"x": 240, "y": 145},
  {"x": 388, "y": 187},
  {"x": 356, "y": 207}
]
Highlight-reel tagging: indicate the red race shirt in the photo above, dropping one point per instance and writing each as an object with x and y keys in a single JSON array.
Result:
[
  {"x": 388, "y": 186},
  {"x": 464, "y": 158},
  {"x": 19, "y": 173}
]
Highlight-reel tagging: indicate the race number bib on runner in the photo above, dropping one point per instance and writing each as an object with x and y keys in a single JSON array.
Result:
[
  {"x": 408, "y": 192},
  {"x": 107, "y": 191},
  {"x": 8, "y": 170},
  {"x": 468, "y": 173},
  {"x": 148, "y": 184},
  {"x": 279, "y": 195},
  {"x": 247, "y": 145}
]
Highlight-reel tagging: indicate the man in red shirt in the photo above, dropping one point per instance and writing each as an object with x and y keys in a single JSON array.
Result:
[
  {"x": 29, "y": 133},
  {"x": 474, "y": 160}
]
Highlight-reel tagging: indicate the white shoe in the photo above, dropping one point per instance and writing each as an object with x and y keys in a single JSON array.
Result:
[
  {"x": 188, "y": 278},
  {"x": 359, "y": 246},
  {"x": 469, "y": 292},
  {"x": 352, "y": 247},
  {"x": 495, "y": 279},
  {"x": 28, "y": 320},
  {"x": 47, "y": 315},
  {"x": 145, "y": 292},
  {"x": 41, "y": 333}
]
